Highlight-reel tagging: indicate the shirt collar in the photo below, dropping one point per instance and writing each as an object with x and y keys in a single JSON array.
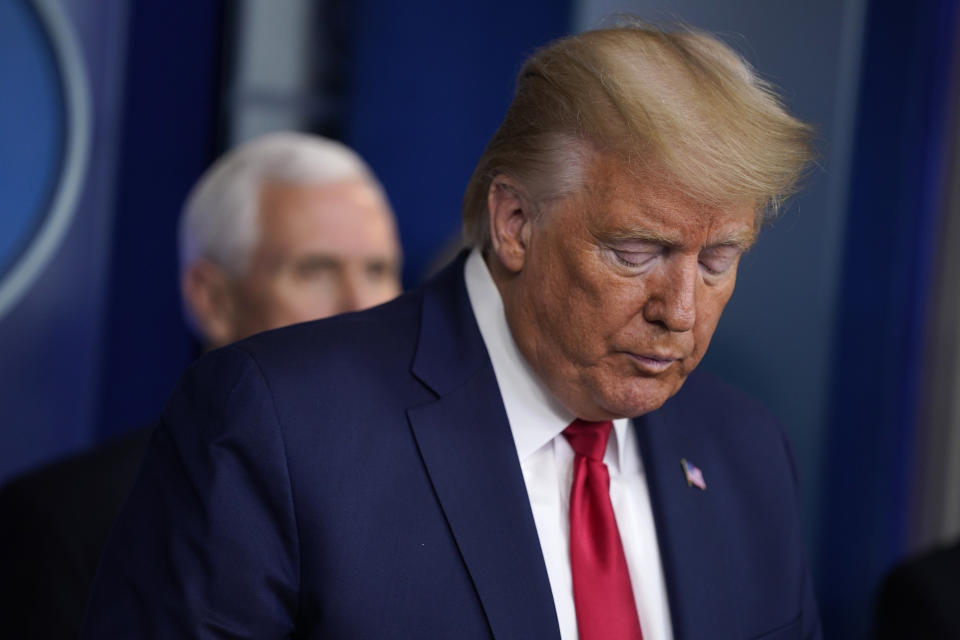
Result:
[{"x": 535, "y": 416}]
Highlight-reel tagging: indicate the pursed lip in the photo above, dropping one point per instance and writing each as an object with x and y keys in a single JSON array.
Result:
[{"x": 653, "y": 362}]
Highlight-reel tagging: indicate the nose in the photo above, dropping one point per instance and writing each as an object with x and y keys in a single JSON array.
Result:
[
  {"x": 672, "y": 303},
  {"x": 353, "y": 294},
  {"x": 359, "y": 290}
]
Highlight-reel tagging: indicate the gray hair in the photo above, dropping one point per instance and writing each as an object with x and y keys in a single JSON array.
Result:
[{"x": 220, "y": 219}]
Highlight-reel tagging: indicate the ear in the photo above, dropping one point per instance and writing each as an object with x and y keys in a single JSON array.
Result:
[
  {"x": 511, "y": 221},
  {"x": 208, "y": 295}
]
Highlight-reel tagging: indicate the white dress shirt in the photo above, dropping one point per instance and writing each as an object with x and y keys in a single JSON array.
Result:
[{"x": 537, "y": 421}]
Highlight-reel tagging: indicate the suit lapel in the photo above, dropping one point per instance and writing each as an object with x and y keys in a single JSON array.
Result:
[
  {"x": 695, "y": 559},
  {"x": 468, "y": 450}
]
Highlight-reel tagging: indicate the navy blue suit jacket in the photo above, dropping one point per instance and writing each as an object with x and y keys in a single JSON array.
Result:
[{"x": 356, "y": 477}]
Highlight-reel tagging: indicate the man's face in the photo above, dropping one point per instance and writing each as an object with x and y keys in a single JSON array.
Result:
[
  {"x": 621, "y": 288},
  {"x": 322, "y": 250}
]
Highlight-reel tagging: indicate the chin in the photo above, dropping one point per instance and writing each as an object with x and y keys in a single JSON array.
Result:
[{"x": 635, "y": 399}]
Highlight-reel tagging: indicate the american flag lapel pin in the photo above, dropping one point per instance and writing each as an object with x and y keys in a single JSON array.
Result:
[{"x": 693, "y": 475}]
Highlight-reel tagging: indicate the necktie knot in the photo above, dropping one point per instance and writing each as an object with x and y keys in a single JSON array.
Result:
[{"x": 588, "y": 439}]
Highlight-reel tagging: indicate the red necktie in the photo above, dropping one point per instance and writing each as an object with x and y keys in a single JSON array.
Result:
[{"x": 602, "y": 593}]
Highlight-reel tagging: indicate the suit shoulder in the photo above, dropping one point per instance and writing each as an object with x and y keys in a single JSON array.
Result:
[
  {"x": 706, "y": 393},
  {"x": 342, "y": 339},
  {"x": 355, "y": 365},
  {"x": 935, "y": 570},
  {"x": 918, "y": 597}
]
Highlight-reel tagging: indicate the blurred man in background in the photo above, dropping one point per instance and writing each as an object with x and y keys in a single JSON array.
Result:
[{"x": 286, "y": 228}]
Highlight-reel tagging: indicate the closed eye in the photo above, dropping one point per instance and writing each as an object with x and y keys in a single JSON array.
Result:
[
  {"x": 380, "y": 270},
  {"x": 719, "y": 260},
  {"x": 634, "y": 258},
  {"x": 634, "y": 253}
]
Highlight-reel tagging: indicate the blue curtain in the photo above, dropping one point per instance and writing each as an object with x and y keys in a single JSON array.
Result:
[
  {"x": 427, "y": 89},
  {"x": 169, "y": 136},
  {"x": 894, "y": 209}
]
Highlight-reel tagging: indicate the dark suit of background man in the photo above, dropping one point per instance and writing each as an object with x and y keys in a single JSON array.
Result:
[
  {"x": 286, "y": 228},
  {"x": 438, "y": 467},
  {"x": 920, "y": 598}
]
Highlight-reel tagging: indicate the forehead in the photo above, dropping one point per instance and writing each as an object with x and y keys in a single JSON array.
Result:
[
  {"x": 349, "y": 216},
  {"x": 621, "y": 201}
]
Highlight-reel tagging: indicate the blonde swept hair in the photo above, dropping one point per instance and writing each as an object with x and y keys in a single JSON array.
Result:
[{"x": 678, "y": 101}]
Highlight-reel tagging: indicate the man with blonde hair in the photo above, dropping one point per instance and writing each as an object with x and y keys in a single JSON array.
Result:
[{"x": 521, "y": 448}]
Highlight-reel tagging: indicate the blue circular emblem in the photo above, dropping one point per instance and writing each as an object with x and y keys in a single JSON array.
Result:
[{"x": 44, "y": 128}]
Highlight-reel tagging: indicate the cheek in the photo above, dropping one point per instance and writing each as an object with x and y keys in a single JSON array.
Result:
[
  {"x": 386, "y": 287},
  {"x": 309, "y": 302},
  {"x": 287, "y": 301},
  {"x": 589, "y": 310}
]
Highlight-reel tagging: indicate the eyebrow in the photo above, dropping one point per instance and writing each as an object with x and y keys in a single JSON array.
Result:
[
  {"x": 316, "y": 260},
  {"x": 742, "y": 240}
]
